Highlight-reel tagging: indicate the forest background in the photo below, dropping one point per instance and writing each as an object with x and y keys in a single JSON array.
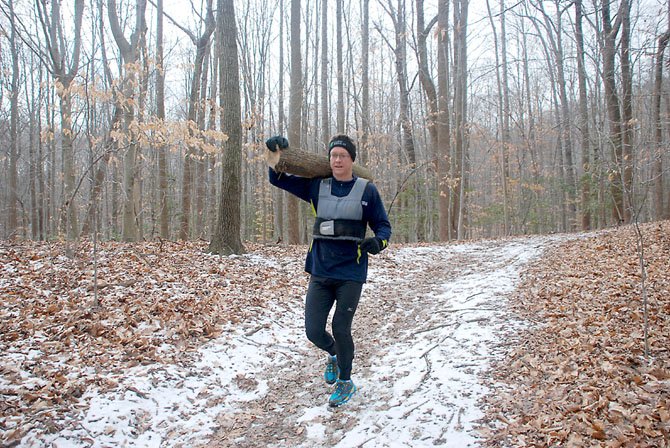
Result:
[{"x": 140, "y": 120}]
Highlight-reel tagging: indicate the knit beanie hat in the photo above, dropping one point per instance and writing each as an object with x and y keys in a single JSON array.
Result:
[{"x": 344, "y": 142}]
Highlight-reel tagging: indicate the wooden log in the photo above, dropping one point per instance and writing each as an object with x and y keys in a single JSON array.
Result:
[{"x": 306, "y": 164}]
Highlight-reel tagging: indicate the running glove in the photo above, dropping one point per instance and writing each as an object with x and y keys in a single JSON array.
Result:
[
  {"x": 276, "y": 142},
  {"x": 372, "y": 245}
]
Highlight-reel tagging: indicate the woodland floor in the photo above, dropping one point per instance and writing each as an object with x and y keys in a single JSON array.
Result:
[{"x": 535, "y": 341}]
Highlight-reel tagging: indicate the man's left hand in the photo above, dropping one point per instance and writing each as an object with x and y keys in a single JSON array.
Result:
[{"x": 372, "y": 245}]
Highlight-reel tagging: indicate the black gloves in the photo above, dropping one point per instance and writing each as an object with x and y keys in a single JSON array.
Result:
[
  {"x": 277, "y": 141},
  {"x": 373, "y": 245}
]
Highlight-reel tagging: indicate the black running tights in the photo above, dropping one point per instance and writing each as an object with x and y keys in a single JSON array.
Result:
[{"x": 321, "y": 295}]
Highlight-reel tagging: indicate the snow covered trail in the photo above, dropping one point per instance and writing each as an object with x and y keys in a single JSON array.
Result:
[{"x": 426, "y": 330}]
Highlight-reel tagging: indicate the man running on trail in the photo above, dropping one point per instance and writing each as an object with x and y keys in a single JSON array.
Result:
[{"x": 344, "y": 205}]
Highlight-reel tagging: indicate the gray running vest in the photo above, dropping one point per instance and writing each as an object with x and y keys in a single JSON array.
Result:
[{"x": 340, "y": 218}]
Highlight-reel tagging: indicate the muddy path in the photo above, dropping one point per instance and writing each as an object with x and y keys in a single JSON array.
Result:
[{"x": 429, "y": 322}]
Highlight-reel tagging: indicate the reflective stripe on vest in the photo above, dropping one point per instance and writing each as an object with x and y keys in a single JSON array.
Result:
[{"x": 340, "y": 218}]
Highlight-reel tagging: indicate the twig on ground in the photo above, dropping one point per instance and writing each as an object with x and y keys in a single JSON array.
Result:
[{"x": 426, "y": 330}]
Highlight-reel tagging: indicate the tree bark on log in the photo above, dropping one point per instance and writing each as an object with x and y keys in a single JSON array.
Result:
[{"x": 306, "y": 164}]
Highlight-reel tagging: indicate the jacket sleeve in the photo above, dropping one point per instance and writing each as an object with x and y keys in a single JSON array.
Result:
[
  {"x": 301, "y": 187},
  {"x": 376, "y": 216}
]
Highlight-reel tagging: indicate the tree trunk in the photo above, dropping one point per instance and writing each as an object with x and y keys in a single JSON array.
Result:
[
  {"x": 295, "y": 114},
  {"x": 424, "y": 73},
  {"x": 583, "y": 120},
  {"x": 129, "y": 53},
  {"x": 226, "y": 238},
  {"x": 163, "y": 203},
  {"x": 657, "y": 156},
  {"x": 503, "y": 108},
  {"x": 12, "y": 224},
  {"x": 365, "y": 82},
  {"x": 570, "y": 177},
  {"x": 279, "y": 195},
  {"x": 443, "y": 128},
  {"x": 613, "y": 112},
  {"x": 627, "y": 119},
  {"x": 340, "y": 69},
  {"x": 460, "y": 160},
  {"x": 194, "y": 111},
  {"x": 325, "y": 114},
  {"x": 64, "y": 73}
]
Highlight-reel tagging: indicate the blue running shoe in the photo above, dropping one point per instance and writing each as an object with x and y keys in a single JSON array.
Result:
[
  {"x": 332, "y": 371},
  {"x": 344, "y": 390}
]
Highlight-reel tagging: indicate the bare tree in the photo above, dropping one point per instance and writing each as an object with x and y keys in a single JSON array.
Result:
[
  {"x": 130, "y": 54},
  {"x": 460, "y": 166},
  {"x": 64, "y": 65},
  {"x": 443, "y": 125},
  {"x": 195, "y": 112},
  {"x": 365, "y": 81},
  {"x": 626, "y": 161},
  {"x": 226, "y": 238},
  {"x": 340, "y": 68},
  {"x": 12, "y": 224},
  {"x": 295, "y": 114},
  {"x": 325, "y": 109},
  {"x": 554, "y": 33},
  {"x": 163, "y": 203},
  {"x": 397, "y": 14},
  {"x": 422, "y": 31},
  {"x": 608, "y": 48},
  {"x": 583, "y": 120},
  {"x": 503, "y": 105},
  {"x": 658, "y": 176}
]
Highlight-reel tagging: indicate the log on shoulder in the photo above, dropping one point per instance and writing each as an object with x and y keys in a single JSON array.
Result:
[{"x": 306, "y": 164}]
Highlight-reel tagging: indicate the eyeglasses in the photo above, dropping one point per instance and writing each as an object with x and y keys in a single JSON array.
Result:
[{"x": 339, "y": 156}]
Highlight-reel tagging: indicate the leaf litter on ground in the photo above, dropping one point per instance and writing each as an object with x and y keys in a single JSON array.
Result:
[{"x": 573, "y": 371}]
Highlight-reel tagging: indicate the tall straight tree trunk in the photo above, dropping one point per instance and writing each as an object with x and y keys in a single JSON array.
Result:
[
  {"x": 295, "y": 114},
  {"x": 503, "y": 107},
  {"x": 325, "y": 114},
  {"x": 424, "y": 72},
  {"x": 627, "y": 159},
  {"x": 340, "y": 69},
  {"x": 659, "y": 211},
  {"x": 226, "y": 238},
  {"x": 505, "y": 117},
  {"x": 443, "y": 128},
  {"x": 365, "y": 81},
  {"x": 398, "y": 16},
  {"x": 35, "y": 92},
  {"x": 460, "y": 160},
  {"x": 613, "y": 112},
  {"x": 570, "y": 176},
  {"x": 279, "y": 195},
  {"x": 163, "y": 203},
  {"x": 583, "y": 120},
  {"x": 12, "y": 224}
]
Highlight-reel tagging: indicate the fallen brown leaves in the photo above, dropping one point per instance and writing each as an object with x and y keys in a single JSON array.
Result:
[
  {"x": 578, "y": 377},
  {"x": 155, "y": 304}
]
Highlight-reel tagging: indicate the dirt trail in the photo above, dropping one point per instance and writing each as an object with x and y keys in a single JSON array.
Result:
[
  {"x": 430, "y": 321},
  {"x": 428, "y": 324}
]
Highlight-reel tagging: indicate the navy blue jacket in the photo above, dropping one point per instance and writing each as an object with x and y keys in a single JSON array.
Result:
[{"x": 337, "y": 259}]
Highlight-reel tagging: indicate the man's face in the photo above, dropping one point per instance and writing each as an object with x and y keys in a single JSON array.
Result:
[{"x": 341, "y": 164}]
